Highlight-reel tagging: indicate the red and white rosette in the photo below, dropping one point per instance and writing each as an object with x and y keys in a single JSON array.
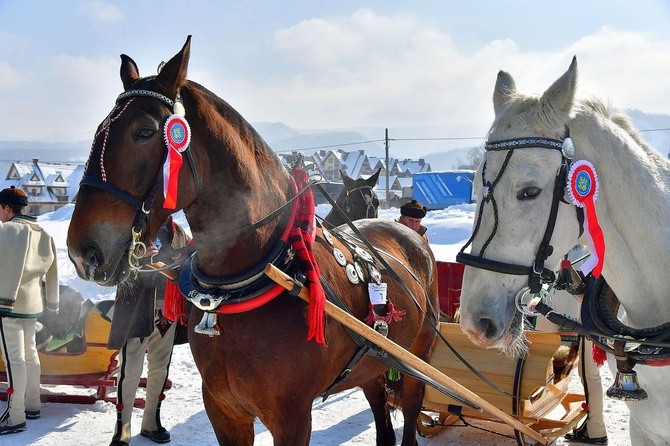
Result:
[
  {"x": 583, "y": 189},
  {"x": 177, "y": 138}
]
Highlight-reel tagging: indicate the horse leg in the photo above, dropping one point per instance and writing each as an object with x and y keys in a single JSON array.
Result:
[
  {"x": 289, "y": 420},
  {"x": 411, "y": 403},
  {"x": 375, "y": 392},
  {"x": 230, "y": 430}
]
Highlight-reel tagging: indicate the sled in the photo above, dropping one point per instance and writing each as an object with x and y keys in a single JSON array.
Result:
[
  {"x": 83, "y": 361},
  {"x": 533, "y": 389}
]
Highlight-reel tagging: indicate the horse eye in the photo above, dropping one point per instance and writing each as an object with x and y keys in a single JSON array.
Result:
[
  {"x": 144, "y": 133},
  {"x": 528, "y": 193}
]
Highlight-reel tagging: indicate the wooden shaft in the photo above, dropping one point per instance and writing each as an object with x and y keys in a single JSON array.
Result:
[{"x": 405, "y": 356}]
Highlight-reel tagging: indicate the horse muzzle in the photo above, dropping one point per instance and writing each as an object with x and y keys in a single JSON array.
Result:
[{"x": 90, "y": 265}]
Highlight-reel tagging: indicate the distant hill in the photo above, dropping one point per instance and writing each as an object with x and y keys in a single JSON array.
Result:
[
  {"x": 407, "y": 142},
  {"x": 11, "y": 151},
  {"x": 659, "y": 139}
]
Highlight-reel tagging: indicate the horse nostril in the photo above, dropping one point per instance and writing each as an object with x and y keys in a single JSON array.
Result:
[
  {"x": 488, "y": 327},
  {"x": 90, "y": 261}
]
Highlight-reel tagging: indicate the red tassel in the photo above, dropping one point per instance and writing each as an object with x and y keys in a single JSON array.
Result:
[
  {"x": 372, "y": 316},
  {"x": 392, "y": 314},
  {"x": 599, "y": 355},
  {"x": 175, "y": 304}
]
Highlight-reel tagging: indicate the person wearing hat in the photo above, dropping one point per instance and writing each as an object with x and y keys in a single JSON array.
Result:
[
  {"x": 139, "y": 325},
  {"x": 27, "y": 255},
  {"x": 411, "y": 214}
]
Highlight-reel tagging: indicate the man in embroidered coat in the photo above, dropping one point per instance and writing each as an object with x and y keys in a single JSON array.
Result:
[
  {"x": 138, "y": 325},
  {"x": 27, "y": 255}
]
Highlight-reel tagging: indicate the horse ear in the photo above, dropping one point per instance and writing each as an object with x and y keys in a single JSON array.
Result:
[
  {"x": 561, "y": 95},
  {"x": 173, "y": 75},
  {"x": 505, "y": 87},
  {"x": 372, "y": 181},
  {"x": 129, "y": 72},
  {"x": 346, "y": 179}
]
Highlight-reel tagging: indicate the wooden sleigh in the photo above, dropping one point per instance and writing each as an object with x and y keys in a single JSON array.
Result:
[
  {"x": 536, "y": 402},
  {"x": 85, "y": 362},
  {"x": 536, "y": 387}
]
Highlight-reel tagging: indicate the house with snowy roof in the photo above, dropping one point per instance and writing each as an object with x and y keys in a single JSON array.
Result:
[{"x": 49, "y": 186}]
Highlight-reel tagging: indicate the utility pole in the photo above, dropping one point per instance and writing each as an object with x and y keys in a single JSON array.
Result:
[{"x": 388, "y": 168}]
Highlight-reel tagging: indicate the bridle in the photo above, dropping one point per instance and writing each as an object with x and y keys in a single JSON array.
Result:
[
  {"x": 537, "y": 273},
  {"x": 142, "y": 208},
  {"x": 369, "y": 200}
]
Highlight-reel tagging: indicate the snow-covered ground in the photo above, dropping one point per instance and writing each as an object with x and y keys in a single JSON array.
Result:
[{"x": 344, "y": 419}]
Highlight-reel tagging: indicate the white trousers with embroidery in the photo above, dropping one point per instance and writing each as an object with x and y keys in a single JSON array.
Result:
[
  {"x": 589, "y": 373},
  {"x": 159, "y": 352},
  {"x": 19, "y": 353}
]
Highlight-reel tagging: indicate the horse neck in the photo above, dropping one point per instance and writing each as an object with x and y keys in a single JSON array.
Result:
[
  {"x": 243, "y": 183},
  {"x": 633, "y": 209}
]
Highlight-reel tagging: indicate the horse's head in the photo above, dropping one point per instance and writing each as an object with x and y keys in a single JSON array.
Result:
[
  {"x": 357, "y": 200},
  {"x": 126, "y": 190},
  {"x": 522, "y": 224}
]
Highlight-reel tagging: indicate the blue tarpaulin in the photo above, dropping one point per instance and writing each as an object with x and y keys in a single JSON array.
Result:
[{"x": 438, "y": 190}]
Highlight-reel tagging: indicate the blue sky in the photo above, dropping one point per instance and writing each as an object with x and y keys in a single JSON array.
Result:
[{"x": 327, "y": 64}]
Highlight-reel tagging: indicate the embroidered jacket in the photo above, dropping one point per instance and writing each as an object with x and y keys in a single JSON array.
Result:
[{"x": 27, "y": 254}]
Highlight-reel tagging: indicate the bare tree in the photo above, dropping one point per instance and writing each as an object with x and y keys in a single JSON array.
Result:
[{"x": 473, "y": 158}]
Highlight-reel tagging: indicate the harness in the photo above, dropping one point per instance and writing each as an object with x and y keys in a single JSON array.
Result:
[
  {"x": 630, "y": 346},
  {"x": 142, "y": 207},
  {"x": 371, "y": 201},
  {"x": 537, "y": 273}
]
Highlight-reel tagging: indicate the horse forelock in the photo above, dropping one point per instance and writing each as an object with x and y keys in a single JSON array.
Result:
[{"x": 524, "y": 115}]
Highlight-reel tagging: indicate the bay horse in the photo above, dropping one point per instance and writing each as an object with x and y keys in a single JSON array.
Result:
[
  {"x": 357, "y": 200},
  {"x": 538, "y": 148},
  {"x": 237, "y": 197}
]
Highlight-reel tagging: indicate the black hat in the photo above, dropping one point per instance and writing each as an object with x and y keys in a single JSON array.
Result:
[
  {"x": 413, "y": 209},
  {"x": 12, "y": 195}
]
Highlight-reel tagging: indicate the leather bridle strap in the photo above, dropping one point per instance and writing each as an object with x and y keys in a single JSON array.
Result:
[{"x": 537, "y": 273}]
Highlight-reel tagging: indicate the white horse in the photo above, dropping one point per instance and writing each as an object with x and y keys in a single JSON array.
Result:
[{"x": 515, "y": 195}]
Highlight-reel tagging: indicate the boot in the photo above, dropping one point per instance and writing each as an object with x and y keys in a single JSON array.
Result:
[{"x": 581, "y": 435}]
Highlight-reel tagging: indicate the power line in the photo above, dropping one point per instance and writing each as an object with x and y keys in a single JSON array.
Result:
[
  {"x": 455, "y": 138},
  {"x": 654, "y": 130},
  {"x": 329, "y": 146}
]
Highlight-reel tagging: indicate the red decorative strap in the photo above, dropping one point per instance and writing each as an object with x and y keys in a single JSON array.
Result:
[{"x": 301, "y": 238}]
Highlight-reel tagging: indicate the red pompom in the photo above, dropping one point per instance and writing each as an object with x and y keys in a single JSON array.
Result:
[{"x": 599, "y": 355}]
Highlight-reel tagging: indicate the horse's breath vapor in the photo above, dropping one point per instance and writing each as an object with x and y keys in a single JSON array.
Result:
[{"x": 275, "y": 332}]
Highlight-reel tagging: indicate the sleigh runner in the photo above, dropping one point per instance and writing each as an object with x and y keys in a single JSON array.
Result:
[
  {"x": 80, "y": 359},
  {"x": 83, "y": 360}
]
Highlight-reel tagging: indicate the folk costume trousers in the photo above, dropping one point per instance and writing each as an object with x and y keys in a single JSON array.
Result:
[
  {"x": 589, "y": 373},
  {"x": 19, "y": 353},
  {"x": 159, "y": 352}
]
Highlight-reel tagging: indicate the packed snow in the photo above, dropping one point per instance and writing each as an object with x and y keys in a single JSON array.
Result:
[{"x": 343, "y": 419}]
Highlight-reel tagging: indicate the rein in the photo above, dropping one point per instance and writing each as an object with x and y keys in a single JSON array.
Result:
[{"x": 376, "y": 253}]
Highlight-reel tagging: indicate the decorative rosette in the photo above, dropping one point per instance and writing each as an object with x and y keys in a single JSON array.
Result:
[
  {"x": 177, "y": 138},
  {"x": 583, "y": 188}
]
